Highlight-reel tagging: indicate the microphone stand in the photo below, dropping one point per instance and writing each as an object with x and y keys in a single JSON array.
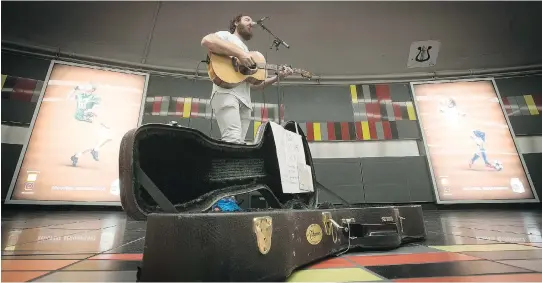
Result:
[{"x": 276, "y": 43}]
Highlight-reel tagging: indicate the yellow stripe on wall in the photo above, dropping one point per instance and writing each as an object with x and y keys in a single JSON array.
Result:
[
  {"x": 317, "y": 131},
  {"x": 187, "y": 107},
  {"x": 354, "y": 93},
  {"x": 365, "y": 130},
  {"x": 257, "y": 125},
  {"x": 410, "y": 110},
  {"x": 531, "y": 105},
  {"x": 3, "y": 80}
]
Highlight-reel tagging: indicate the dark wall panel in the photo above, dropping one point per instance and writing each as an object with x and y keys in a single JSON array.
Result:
[
  {"x": 318, "y": 104},
  {"x": 343, "y": 177},
  {"x": 375, "y": 180},
  {"x": 16, "y": 112},
  {"x": 526, "y": 125},
  {"x": 10, "y": 156},
  {"x": 533, "y": 161},
  {"x": 24, "y": 66},
  {"x": 519, "y": 86},
  {"x": 400, "y": 92},
  {"x": 396, "y": 180}
]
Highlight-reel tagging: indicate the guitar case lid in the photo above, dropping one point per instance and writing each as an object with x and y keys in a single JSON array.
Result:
[{"x": 173, "y": 169}]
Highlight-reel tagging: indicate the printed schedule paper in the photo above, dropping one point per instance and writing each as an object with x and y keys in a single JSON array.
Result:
[{"x": 296, "y": 176}]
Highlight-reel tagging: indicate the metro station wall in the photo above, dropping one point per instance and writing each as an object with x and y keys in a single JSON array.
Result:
[
  {"x": 364, "y": 139},
  {"x": 522, "y": 99},
  {"x": 22, "y": 81}
]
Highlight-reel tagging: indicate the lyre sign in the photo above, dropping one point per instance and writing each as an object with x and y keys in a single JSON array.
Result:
[{"x": 423, "y": 54}]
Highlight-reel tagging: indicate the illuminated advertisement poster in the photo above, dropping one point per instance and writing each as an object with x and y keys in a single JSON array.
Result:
[
  {"x": 73, "y": 150},
  {"x": 471, "y": 149}
]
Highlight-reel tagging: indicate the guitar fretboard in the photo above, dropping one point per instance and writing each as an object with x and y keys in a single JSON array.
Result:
[{"x": 275, "y": 67}]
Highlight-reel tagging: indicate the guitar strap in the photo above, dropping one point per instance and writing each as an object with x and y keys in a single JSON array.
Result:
[{"x": 154, "y": 191}]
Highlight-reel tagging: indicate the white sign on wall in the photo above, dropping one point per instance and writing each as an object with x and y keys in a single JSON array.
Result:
[{"x": 423, "y": 54}]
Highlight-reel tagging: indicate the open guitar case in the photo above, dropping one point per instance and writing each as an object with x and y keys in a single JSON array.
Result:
[{"x": 171, "y": 176}]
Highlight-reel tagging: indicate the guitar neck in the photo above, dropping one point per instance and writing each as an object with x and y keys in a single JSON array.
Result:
[{"x": 274, "y": 67}]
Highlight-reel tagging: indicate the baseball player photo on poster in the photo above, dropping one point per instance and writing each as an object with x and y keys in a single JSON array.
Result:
[
  {"x": 73, "y": 150},
  {"x": 471, "y": 149}
]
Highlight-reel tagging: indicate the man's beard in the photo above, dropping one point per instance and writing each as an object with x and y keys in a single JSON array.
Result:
[{"x": 244, "y": 32}]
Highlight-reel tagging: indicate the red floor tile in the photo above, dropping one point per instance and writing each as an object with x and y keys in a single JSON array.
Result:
[
  {"x": 118, "y": 256},
  {"x": 21, "y": 276},
  {"x": 409, "y": 259},
  {"x": 34, "y": 265},
  {"x": 333, "y": 263},
  {"x": 527, "y": 277}
]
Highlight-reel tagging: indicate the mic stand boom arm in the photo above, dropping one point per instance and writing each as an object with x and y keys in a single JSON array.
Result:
[{"x": 277, "y": 41}]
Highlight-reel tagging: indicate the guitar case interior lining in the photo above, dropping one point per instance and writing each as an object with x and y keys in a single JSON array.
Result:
[
  {"x": 193, "y": 171},
  {"x": 171, "y": 176}
]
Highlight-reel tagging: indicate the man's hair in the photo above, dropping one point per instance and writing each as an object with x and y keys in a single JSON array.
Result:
[{"x": 235, "y": 20}]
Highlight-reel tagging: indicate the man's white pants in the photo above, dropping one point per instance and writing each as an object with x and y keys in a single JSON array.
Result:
[{"x": 232, "y": 116}]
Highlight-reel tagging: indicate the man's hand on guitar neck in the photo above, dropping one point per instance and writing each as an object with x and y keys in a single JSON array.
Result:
[
  {"x": 283, "y": 73},
  {"x": 219, "y": 46}
]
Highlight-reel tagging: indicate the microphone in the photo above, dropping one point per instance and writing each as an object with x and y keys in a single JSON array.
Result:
[{"x": 260, "y": 21}]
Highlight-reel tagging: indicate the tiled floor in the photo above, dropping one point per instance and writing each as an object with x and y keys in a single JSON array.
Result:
[{"x": 492, "y": 246}]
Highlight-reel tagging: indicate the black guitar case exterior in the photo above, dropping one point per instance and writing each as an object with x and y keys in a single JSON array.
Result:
[{"x": 171, "y": 176}]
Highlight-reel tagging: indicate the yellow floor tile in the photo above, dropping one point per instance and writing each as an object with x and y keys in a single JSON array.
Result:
[
  {"x": 333, "y": 275},
  {"x": 483, "y": 248}
]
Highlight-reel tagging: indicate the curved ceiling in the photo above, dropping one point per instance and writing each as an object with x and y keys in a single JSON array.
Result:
[{"x": 327, "y": 38}]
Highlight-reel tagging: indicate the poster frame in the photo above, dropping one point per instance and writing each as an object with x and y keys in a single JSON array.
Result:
[
  {"x": 510, "y": 129},
  {"x": 9, "y": 199}
]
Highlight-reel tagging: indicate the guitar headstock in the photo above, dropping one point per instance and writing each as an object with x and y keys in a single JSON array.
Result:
[{"x": 305, "y": 74}]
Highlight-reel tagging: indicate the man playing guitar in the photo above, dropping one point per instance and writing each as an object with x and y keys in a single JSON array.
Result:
[{"x": 232, "y": 107}]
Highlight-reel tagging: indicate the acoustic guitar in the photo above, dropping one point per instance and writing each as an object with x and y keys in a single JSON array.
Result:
[{"x": 227, "y": 72}]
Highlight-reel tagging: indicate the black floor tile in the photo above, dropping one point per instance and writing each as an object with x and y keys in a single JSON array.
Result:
[{"x": 444, "y": 269}]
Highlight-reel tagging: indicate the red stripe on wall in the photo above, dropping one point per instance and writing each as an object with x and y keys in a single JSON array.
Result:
[
  {"x": 344, "y": 131},
  {"x": 23, "y": 89},
  {"x": 331, "y": 132},
  {"x": 265, "y": 114},
  {"x": 387, "y": 130},
  {"x": 382, "y": 92},
  {"x": 373, "y": 112},
  {"x": 538, "y": 101},
  {"x": 372, "y": 129},
  {"x": 310, "y": 131},
  {"x": 194, "y": 109},
  {"x": 507, "y": 106},
  {"x": 358, "y": 131},
  {"x": 179, "y": 107},
  {"x": 156, "y": 104},
  {"x": 397, "y": 111}
]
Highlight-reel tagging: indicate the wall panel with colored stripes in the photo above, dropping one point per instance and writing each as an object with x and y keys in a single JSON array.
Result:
[
  {"x": 327, "y": 113},
  {"x": 22, "y": 81},
  {"x": 522, "y": 100},
  {"x": 188, "y": 102}
]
